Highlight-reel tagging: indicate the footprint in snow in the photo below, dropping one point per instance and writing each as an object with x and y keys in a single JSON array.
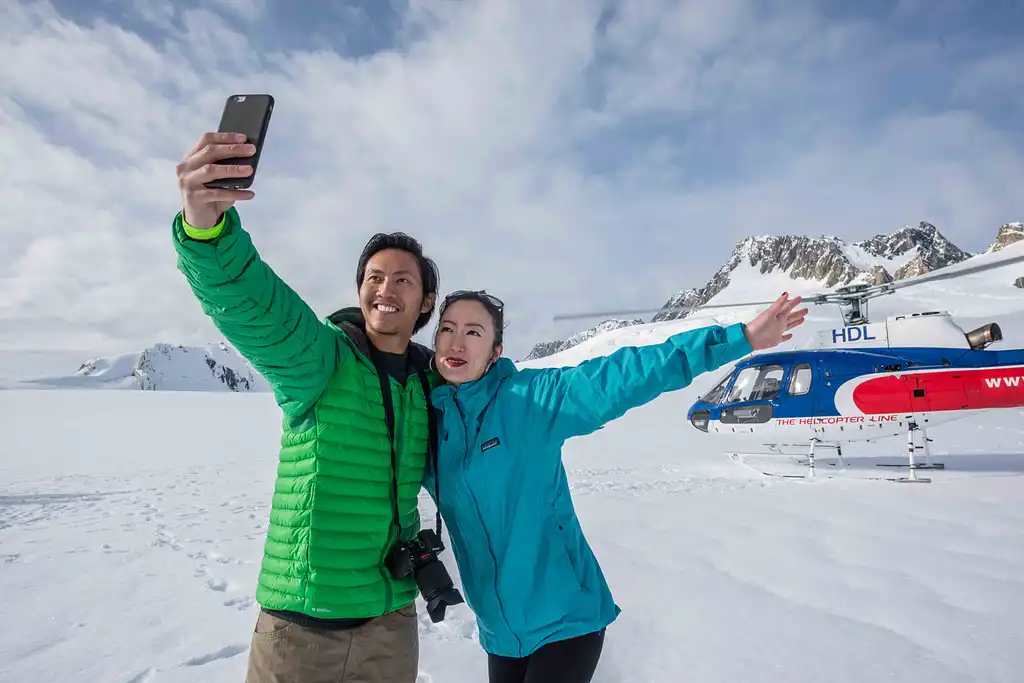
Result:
[
  {"x": 143, "y": 676},
  {"x": 226, "y": 652},
  {"x": 216, "y": 557},
  {"x": 242, "y": 602},
  {"x": 219, "y": 585},
  {"x": 168, "y": 542},
  {"x": 452, "y": 628}
]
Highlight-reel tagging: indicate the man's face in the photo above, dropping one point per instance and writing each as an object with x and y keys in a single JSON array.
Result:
[{"x": 391, "y": 296}]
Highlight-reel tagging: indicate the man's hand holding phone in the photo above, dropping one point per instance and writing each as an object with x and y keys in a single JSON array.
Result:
[
  {"x": 220, "y": 168},
  {"x": 203, "y": 206}
]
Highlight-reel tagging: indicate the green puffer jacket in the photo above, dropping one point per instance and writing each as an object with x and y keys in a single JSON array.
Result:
[{"x": 331, "y": 519}]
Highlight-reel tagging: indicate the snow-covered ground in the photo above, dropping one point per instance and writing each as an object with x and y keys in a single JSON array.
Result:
[
  {"x": 132, "y": 527},
  {"x": 130, "y": 546},
  {"x": 21, "y": 364}
]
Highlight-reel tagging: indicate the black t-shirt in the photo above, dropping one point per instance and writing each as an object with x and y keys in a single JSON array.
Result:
[{"x": 396, "y": 365}]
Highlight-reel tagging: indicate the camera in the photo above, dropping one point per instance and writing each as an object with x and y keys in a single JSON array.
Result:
[{"x": 418, "y": 557}]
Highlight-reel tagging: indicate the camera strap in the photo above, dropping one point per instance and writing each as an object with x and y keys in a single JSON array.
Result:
[
  {"x": 432, "y": 445},
  {"x": 389, "y": 418}
]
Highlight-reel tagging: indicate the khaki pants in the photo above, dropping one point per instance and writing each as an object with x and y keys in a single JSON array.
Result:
[{"x": 384, "y": 650}]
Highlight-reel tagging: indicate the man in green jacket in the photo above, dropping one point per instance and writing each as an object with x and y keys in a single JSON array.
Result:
[{"x": 331, "y": 610}]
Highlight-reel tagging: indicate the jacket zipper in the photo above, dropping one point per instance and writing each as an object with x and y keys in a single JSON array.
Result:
[{"x": 479, "y": 517}]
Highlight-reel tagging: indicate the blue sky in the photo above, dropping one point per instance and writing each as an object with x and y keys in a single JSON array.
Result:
[{"x": 566, "y": 156}]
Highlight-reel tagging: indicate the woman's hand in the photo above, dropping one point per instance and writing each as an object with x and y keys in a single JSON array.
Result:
[{"x": 770, "y": 328}]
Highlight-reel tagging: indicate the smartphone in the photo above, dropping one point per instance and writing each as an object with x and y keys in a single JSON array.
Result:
[{"x": 250, "y": 115}]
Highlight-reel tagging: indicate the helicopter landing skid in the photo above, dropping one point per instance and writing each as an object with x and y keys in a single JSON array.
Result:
[
  {"x": 809, "y": 448},
  {"x": 813, "y": 464},
  {"x": 821, "y": 470},
  {"x": 912, "y": 449}
]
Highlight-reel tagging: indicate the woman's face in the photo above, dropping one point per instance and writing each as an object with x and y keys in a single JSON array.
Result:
[{"x": 464, "y": 345}]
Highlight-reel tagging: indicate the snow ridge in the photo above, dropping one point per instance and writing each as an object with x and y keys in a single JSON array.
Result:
[
  {"x": 543, "y": 349},
  {"x": 164, "y": 367}
]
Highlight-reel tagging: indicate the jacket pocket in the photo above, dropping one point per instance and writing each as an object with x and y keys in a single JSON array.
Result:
[{"x": 564, "y": 540}]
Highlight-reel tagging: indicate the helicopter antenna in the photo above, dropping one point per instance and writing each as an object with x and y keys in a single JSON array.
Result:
[{"x": 855, "y": 297}]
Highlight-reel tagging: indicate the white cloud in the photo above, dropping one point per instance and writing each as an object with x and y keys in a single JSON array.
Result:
[{"x": 560, "y": 155}]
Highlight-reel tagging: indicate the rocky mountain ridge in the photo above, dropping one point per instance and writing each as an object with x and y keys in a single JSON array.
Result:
[
  {"x": 543, "y": 349},
  {"x": 1007, "y": 235},
  {"x": 830, "y": 261}
]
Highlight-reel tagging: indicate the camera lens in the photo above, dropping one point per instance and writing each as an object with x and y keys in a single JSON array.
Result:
[{"x": 437, "y": 588}]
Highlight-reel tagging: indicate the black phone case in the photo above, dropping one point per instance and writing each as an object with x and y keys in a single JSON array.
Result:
[{"x": 250, "y": 115}]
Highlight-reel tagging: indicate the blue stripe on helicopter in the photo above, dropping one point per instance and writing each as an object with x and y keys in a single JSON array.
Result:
[{"x": 834, "y": 367}]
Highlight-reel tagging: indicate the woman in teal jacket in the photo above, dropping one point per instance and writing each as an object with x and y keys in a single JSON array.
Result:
[{"x": 529, "y": 575}]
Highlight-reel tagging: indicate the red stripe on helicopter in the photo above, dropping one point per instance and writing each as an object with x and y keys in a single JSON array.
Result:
[{"x": 964, "y": 389}]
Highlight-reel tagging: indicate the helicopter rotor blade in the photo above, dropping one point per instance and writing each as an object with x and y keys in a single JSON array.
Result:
[
  {"x": 607, "y": 314},
  {"x": 639, "y": 311},
  {"x": 944, "y": 274},
  {"x": 948, "y": 273}
]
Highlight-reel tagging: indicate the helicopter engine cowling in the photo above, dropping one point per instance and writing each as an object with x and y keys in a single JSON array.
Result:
[{"x": 983, "y": 336}]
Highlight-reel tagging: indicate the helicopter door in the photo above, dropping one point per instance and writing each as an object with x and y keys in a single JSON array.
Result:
[
  {"x": 797, "y": 394},
  {"x": 936, "y": 392},
  {"x": 753, "y": 398}
]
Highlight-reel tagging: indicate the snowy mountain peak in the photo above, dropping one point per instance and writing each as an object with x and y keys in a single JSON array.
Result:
[
  {"x": 543, "y": 349},
  {"x": 165, "y": 367},
  {"x": 930, "y": 250},
  {"x": 821, "y": 262},
  {"x": 925, "y": 236},
  {"x": 828, "y": 262},
  {"x": 810, "y": 258},
  {"x": 1007, "y": 235},
  {"x": 816, "y": 258}
]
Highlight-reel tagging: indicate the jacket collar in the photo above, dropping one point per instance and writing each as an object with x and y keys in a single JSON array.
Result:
[
  {"x": 350, "y": 321},
  {"x": 474, "y": 396}
]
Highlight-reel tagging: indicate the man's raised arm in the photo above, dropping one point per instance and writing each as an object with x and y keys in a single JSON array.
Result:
[{"x": 258, "y": 313}]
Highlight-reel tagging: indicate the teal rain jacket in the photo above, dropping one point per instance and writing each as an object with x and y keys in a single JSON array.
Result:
[{"x": 527, "y": 571}]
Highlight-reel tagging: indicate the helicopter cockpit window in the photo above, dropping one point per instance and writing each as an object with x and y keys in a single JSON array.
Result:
[
  {"x": 756, "y": 384},
  {"x": 800, "y": 382},
  {"x": 715, "y": 394}
]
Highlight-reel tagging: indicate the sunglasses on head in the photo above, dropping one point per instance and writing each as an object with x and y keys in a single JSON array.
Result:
[{"x": 477, "y": 295}]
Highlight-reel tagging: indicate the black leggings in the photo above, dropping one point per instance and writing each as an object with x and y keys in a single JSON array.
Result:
[{"x": 565, "y": 661}]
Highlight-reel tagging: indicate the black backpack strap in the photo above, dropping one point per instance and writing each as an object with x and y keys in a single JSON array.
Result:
[
  {"x": 432, "y": 445},
  {"x": 389, "y": 418}
]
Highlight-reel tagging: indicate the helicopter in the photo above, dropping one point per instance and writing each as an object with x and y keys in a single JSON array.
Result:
[{"x": 866, "y": 380}]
